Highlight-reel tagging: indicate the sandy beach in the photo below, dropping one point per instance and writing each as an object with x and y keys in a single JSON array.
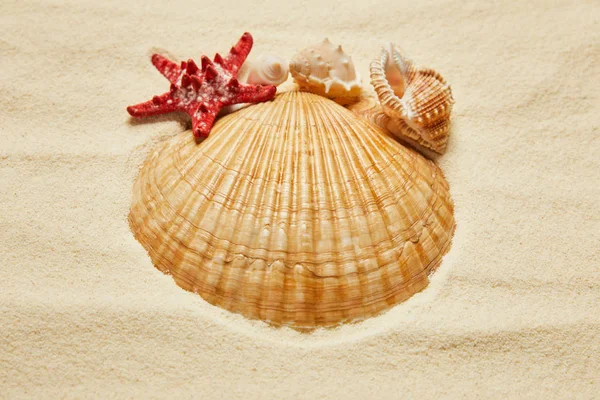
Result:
[{"x": 512, "y": 312}]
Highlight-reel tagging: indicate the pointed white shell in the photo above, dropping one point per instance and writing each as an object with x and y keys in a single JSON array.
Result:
[
  {"x": 294, "y": 211},
  {"x": 268, "y": 69},
  {"x": 325, "y": 69}
]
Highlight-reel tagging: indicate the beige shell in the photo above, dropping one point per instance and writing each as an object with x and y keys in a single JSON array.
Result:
[
  {"x": 268, "y": 69},
  {"x": 295, "y": 212},
  {"x": 326, "y": 70},
  {"x": 417, "y": 100}
]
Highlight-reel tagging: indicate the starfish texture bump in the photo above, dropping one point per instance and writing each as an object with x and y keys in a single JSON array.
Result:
[{"x": 202, "y": 92}]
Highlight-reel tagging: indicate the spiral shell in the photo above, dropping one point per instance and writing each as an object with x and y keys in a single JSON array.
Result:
[
  {"x": 325, "y": 69},
  {"x": 417, "y": 100},
  {"x": 268, "y": 69},
  {"x": 295, "y": 212}
]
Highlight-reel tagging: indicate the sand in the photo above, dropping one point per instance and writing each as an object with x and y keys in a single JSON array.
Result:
[{"x": 513, "y": 311}]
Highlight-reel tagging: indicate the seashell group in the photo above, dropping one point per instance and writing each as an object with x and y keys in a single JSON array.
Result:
[
  {"x": 268, "y": 69},
  {"x": 418, "y": 101},
  {"x": 296, "y": 212},
  {"x": 325, "y": 69}
]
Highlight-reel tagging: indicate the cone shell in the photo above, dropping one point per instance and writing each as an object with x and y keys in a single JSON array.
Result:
[
  {"x": 295, "y": 212},
  {"x": 325, "y": 69},
  {"x": 418, "y": 100}
]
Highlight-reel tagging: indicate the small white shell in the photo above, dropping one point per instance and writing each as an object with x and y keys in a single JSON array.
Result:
[
  {"x": 268, "y": 69},
  {"x": 325, "y": 69}
]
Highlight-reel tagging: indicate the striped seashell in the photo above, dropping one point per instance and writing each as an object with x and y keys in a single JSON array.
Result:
[
  {"x": 417, "y": 100},
  {"x": 295, "y": 212}
]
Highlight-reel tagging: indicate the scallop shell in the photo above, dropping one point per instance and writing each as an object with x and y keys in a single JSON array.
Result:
[
  {"x": 268, "y": 69},
  {"x": 417, "y": 100},
  {"x": 295, "y": 212},
  {"x": 325, "y": 69}
]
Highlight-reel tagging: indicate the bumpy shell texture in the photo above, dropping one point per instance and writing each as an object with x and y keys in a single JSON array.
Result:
[
  {"x": 325, "y": 69},
  {"x": 295, "y": 212},
  {"x": 417, "y": 100}
]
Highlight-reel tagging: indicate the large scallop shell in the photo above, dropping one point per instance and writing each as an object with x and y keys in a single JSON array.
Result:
[
  {"x": 295, "y": 212},
  {"x": 325, "y": 69},
  {"x": 417, "y": 100}
]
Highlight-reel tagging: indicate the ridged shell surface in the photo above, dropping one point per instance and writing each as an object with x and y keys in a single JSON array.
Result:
[
  {"x": 295, "y": 212},
  {"x": 418, "y": 100}
]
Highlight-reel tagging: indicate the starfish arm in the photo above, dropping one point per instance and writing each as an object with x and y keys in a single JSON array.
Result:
[
  {"x": 166, "y": 67},
  {"x": 246, "y": 93},
  {"x": 158, "y": 105},
  {"x": 202, "y": 90},
  {"x": 203, "y": 120},
  {"x": 237, "y": 55}
]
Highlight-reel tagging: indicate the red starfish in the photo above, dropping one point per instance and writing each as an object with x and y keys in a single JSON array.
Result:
[{"x": 202, "y": 92}]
